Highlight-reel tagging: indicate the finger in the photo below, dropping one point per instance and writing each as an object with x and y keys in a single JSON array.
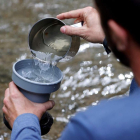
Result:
[
  {"x": 7, "y": 103},
  {"x": 71, "y": 14},
  {"x": 6, "y": 117},
  {"x": 4, "y": 109},
  {"x": 49, "y": 105},
  {"x": 77, "y": 20},
  {"x": 13, "y": 88},
  {"x": 7, "y": 93},
  {"x": 79, "y": 31}
]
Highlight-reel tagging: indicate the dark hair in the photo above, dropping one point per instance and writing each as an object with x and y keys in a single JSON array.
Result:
[{"x": 124, "y": 12}]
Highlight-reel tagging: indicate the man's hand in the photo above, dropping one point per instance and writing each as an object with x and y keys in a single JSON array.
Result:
[
  {"x": 15, "y": 104},
  {"x": 91, "y": 30}
]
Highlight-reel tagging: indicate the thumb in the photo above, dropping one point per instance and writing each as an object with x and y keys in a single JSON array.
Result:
[
  {"x": 79, "y": 31},
  {"x": 48, "y": 105}
]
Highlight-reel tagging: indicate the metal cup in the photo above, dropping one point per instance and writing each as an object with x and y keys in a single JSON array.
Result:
[{"x": 45, "y": 37}]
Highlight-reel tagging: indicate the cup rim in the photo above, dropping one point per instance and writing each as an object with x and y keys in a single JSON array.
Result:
[{"x": 33, "y": 82}]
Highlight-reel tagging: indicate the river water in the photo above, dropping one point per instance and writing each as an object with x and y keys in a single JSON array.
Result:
[{"x": 88, "y": 78}]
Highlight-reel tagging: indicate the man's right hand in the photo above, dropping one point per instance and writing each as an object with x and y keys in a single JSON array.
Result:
[{"x": 90, "y": 31}]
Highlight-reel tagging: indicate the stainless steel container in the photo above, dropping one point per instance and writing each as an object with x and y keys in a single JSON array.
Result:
[{"x": 45, "y": 37}]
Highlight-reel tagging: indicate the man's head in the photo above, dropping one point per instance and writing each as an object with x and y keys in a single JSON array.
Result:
[{"x": 120, "y": 21}]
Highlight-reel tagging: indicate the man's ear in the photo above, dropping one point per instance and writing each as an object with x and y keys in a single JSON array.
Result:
[{"x": 118, "y": 34}]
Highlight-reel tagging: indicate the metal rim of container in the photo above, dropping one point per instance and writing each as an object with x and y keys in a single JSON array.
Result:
[{"x": 29, "y": 38}]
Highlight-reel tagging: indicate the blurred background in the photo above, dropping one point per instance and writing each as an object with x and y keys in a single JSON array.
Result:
[{"x": 88, "y": 78}]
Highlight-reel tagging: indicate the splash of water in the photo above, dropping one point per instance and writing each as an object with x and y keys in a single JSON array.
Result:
[
  {"x": 43, "y": 72},
  {"x": 48, "y": 58},
  {"x": 40, "y": 72}
]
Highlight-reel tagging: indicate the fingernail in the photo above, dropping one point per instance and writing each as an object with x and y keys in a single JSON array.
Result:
[
  {"x": 63, "y": 29},
  {"x": 53, "y": 103}
]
